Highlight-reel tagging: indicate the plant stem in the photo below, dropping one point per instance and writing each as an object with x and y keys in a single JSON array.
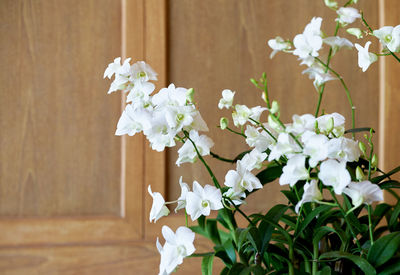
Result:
[
  {"x": 371, "y": 235},
  {"x": 369, "y": 28},
  {"x": 215, "y": 181},
  {"x": 346, "y": 90},
  {"x": 221, "y": 158},
  {"x": 235, "y": 132},
  {"x": 240, "y": 211},
  {"x": 265, "y": 129},
  {"x": 321, "y": 91},
  {"x": 315, "y": 258},
  {"x": 347, "y": 221},
  {"x": 186, "y": 219}
]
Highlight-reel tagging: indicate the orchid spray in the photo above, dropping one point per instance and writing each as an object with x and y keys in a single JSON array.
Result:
[{"x": 331, "y": 176}]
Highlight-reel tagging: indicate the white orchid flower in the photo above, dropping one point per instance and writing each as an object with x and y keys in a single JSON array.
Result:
[
  {"x": 347, "y": 15},
  {"x": 253, "y": 160},
  {"x": 317, "y": 148},
  {"x": 202, "y": 200},
  {"x": 187, "y": 153},
  {"x": 390, "y": 37},
  {"x": 294, "y": 171},
  {"x": 175, "y": 96},
  {"x": 242, "y": 179},
  {"x": 311, "y": 194},
  {"x": 182, "y": 198},
  {"x": 133, "y": 121},
  {"x": 141, "y": 71},
  {"x": 177, "y": 246},
  {"x": 343, "y": 149},
  {"x": 278, "y": 44},
  {"x": 237, "y": 197},
  {"x": 334, "y": 173},
  {"x": 160, "y": 135},
  {"x": 260, "y": 140},
  {"x": 337, "y": 43},
  {"x": 158, "y": 208},
  {"x": 317, "y": 72},
  {"x": 363, "y": 192},
  {"x": 310, "y": 41},
  {"x": 284, "y": 146},
  {"x": 301, "y": 124},
  {"x": 226, "y": 100},
  {"x": 334, "y": 123},
  {"x": 365, "y": 58}
]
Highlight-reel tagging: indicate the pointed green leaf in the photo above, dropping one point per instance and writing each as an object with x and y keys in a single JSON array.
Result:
[
  {"x": 363, "y": 264},
  {"x": 207, "y": 264},
  {"x": 384, "y": 248}
]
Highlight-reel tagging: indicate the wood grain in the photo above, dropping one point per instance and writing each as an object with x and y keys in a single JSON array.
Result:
[
  {"x": 390, "y": 99},
  {"x": 58, "y": 154},
  {"x": 214, "y": 45}
]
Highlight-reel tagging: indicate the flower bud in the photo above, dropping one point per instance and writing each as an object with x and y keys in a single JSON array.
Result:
[
  {"x": 359, "y": 174},
  {"x": 252, "y": 80},
  {"x": 223, "y": 123},
  {"x": 190, "y": 94},
  {"x": 362, "y": 147},
  {"x": 330, "y": 125},
  {"x": 331, "y": 4},
  {"x": 356, "y": 32},
  {"x": 374, "y": 160},
  {"x": 274, "y": 124},
  {"x": 274, "y": 107}
]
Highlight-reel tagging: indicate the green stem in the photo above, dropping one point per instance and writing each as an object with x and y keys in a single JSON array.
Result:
[
  {"x": 235, "y": 132},
  {"x": 347, "y": 92},
  {"x": 369, "y": 28},
  {"x": 315, "y": 258},
  {"x": 321, "y": 92},
  {"x": 371, "y": 235},
  {"x": 346, "y": 219},
  {"x": 240, "y": 211},
  {"x": 221, "y": 158},
  {"x": 291, "y": 258},
  {"x": 186, "y": 219},
  {"x": 265, "y": 129},
  {"x": 215, "y": 181},
  {"x": 370, "y": 158}
]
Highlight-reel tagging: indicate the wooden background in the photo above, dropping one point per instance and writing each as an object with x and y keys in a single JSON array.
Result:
[{"x": 73, "y": 196}]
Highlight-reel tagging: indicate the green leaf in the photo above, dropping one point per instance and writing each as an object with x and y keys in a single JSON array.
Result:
[
  {"x": 290, "y": 196},
  {"x": 357, "y": 130},
  {"x": 320, "y": 232},
  {"x": 202, "y": 222},
  {"x": 389, "y": 184},
  {"x": 199, "y": 230},
  {"x": 224, "y": 257},
  {"x": 307, "y": 220},
  {"x": 269, "y": 174},
  {"x": 254, "y": 237},
  {"x": 212, "y": 231},
  {"x": 266, "y": 228},
  {"x": 378, "y": 179},
  {"x": 238, "y": 268},
  {"x": 392, "y": 269},
  {"x": 207, "y": 264},
  {"x": 384, "y": 248},
  {"x": 363, "y": 264},
  {"x": 394, "y": 218},
  {"x": 325, "y": 271},
  {"x": 226, "y": 218}
]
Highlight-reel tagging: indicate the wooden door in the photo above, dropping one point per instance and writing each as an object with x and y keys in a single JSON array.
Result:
[{"x": 73, "y": 197}]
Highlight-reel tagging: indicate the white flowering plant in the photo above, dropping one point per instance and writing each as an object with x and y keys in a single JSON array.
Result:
[{"x": 335, "y": 220}]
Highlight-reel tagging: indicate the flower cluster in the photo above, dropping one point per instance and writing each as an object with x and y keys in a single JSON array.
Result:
[{"x": 310, "y": 155}]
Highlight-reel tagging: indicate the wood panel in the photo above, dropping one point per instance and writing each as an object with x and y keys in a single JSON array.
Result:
[
  {"x": 70, "y": 84},
  {"x": 58, "y": 155},
  {"x": 214, "y": 45},
  {"x": 390, "y": 97}
]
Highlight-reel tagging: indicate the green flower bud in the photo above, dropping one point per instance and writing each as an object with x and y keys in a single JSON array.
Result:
[
  {"x": 190, "y": 94},
  {"x": 362, "y": 147},
  {"x": 252, "y": 80},
  {"x": 359, "y": 174},
  {"x": 374, "y": 160},
  {"x": 223, "y": 123},
  {"x": 274, "y": 107},
  {"x": 331, "y": 4},
  {"x": 356, "y": 32},
  {"x": 330, "y": 125}
]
